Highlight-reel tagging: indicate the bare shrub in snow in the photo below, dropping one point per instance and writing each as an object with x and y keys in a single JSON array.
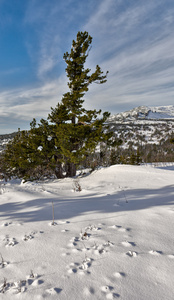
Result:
[{"x": 77, "y": 186}]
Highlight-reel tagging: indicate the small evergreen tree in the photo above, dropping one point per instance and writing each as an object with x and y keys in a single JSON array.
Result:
[{"x": 27, "y": 155}]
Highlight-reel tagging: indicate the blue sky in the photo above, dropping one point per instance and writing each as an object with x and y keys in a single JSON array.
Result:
[{"x": 133, "y": 40}]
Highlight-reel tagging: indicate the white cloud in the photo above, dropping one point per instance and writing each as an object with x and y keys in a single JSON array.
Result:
[
  {"x": 134, "y": 41},
  {"x": 40, "y": 16},
  {"x": 49, "y": 54},
  {"x": 136, "y": 46},
  {"x": 30, "y": 103}
]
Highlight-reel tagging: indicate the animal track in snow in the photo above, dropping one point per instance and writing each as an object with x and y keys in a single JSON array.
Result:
[
  {"x": 73, "y": 268},
  {"x": 73, "y": 242},
  {"x": 27, "y": 237},
  {"x": 92, "y": 228},
  {"x": 76, "y": 267},
  {"x": 30, "y": 236},
  {"x": 154, "y": 252},
  {"x": 37, "y": 282},
  {"x": 107, "y": 290},
  {"x": 128, "y": 244},
  {"x": 86, "y": 264},
  {"x": 64, "y": 230},
  {"x": 53, "y": 291},
  {"x": 74, "y": 239},
  {"x": 108, "y": 243},
  {"x": 31, "y": 278},
  {"x": 3, "y": 263},
  {"x": 112, "y": 296},
  {"x": 132, "y": 253},
  {"x": 88, "y": 292},
  {"x": 20, "y": 286},
  {"x": 115, "y": 226},
  {"x": 7, "y": 224},
  {"x": 119, "y": 274},
  {"x": 100, "y": 249},
  {"x": 76, "y": 250},
  {"x": 66, "y": 254},
  {"x": 63, "y": 222},
  {"x": 120, "y": 228},
  {"x": 10, "y": 242},
  {"x": 15, "y": 287}
]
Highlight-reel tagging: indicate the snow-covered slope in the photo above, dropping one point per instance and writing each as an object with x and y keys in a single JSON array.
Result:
[
  {"x": 143, "y": 126},
  {"x": 5, "y": 139},
  {"x": 145, "y": 113},
  {"x": 161, "y": 112},
  {"x": 114, "y": 239}
]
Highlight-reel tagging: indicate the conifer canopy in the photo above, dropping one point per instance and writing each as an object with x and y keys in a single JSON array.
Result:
[{"x": 71, "y": 133}]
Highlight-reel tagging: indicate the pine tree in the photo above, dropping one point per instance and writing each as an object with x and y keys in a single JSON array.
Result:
[
  {"x": 16, "y": 155},
  {"x": 78, "y": 130},
  {"x": 71, "y": 133},
  {"x": 30, "y": 154}
]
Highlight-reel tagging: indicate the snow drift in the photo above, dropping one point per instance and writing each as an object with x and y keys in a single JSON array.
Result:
[{"x": 111, "y": 240}]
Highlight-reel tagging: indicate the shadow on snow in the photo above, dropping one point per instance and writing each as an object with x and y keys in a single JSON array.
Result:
[{"x": 40, "y": 209}]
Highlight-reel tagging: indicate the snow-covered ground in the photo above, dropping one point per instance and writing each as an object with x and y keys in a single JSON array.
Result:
[
  {"x": 114, "y": 239},
  {"x": 145, "y": 113}
]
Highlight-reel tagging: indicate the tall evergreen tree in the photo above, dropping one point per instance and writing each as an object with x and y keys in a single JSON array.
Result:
[
  {"x": 78, "y": 130},
  {"x": 71, "y": 132}
]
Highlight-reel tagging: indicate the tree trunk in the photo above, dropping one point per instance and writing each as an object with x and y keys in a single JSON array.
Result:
[
  {"x": 70, "y": 170},
  {"x": 59, "y": 170}
]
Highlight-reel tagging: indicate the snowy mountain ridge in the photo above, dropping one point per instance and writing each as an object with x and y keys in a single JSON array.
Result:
[
  {"x": 145, "y": 113},
  {"x": 148, "y": 128}
]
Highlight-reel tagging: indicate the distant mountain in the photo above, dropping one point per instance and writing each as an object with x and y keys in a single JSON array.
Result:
[
  {"x": 147, "y": 130},
  {"x": 145, "y": 113},
  {"x": 5, "y": 138}
]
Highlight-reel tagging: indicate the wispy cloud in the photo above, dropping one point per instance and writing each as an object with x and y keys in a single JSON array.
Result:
[
  {"x": 24, "y": 104},
  {"x": 132, "y": 39},
  {"x": 55, "y": 23},
  {"x": 49, "y": 55},
  {"x": 11, "y": 71},
  {"x": 41, "y": 15},
  {"x": 136, "y": 46}
]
